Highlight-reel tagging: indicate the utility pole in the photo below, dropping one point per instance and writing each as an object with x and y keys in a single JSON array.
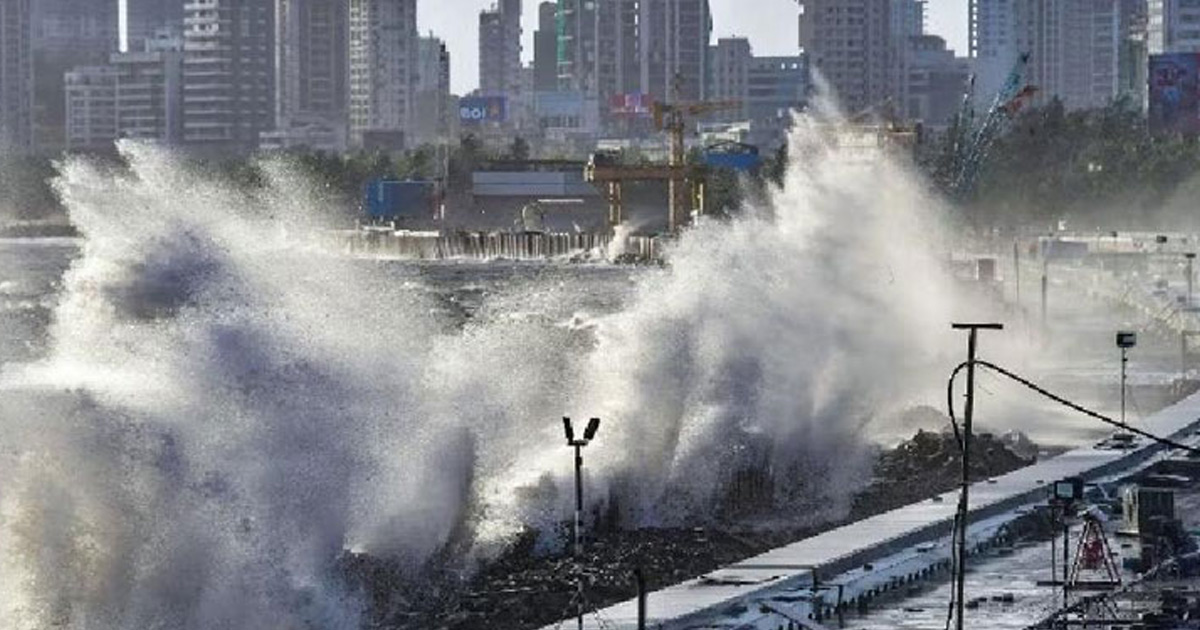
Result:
[
  {"x": 588, "y": 434},
  {"x": 964, "y": 506}
]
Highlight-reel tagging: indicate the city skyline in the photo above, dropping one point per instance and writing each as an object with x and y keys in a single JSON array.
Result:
[{"x": 456, "y": 21}]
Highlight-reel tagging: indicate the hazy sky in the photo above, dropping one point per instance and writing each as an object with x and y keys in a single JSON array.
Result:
[{"x": 770, "y": 25}]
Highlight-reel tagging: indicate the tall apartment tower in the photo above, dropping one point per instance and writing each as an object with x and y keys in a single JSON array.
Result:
[
  {"x": 228, "y": 73},
  {"x": 383, "y": 65},
  {"x": 1134, "y": 50},
  {"x": 136, "y": 95},
  {"x": 150, "y": 88},
  {"x": 1173, "y": 26},
  {"x": 16, "y": 76},
  {"x": 851, "y": 44},
  {"x": 142, "y": 19},
  {"x": 500, "y": 49},
  {"x": 612, "y": 27},
  {"x": 66, "y": 34},
  {"x": 994, "y": 44},
  {"x": 311, "y": 62},
  {"x": 431, "y": 123},
  {"x": 908, "y": 25},
  {"x": 545, "y": 49},
  {"x": 675, "y": 36},
  {"x": 731, "y": 60},
  {"x": 1074, "y": 47}
]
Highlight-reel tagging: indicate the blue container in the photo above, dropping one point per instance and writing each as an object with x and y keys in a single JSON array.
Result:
[
  {"x": 392, "y": 199},
  {"x": 734, "y": 156}
]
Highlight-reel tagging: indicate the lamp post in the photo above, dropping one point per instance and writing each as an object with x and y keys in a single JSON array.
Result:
[
  {"x": 1125, "y": 340},
  {"x": 589, "y": 433},
  {"x": 1190, "y": 256},
  {"x": 964, "y": 508}
]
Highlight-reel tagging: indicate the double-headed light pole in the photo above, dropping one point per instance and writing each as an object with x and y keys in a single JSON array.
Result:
[
  {"x": 589, "y": 433},
  {"x": 1125, "y": 340}
]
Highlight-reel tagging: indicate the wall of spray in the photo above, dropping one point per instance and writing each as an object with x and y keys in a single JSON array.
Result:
[{"x": 225, "y": 410}]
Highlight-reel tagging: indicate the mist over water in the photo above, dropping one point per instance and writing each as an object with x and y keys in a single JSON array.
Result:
[{"x": 224, "y": 409}]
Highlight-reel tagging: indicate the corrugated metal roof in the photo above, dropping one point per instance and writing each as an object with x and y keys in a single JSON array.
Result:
[{"x": 531, "y": 184}]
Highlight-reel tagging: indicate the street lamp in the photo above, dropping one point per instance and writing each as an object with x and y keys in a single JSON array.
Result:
[
  {"x": 1125, "y": 340},
  {"x": 589, "y": 433},
  {"x": 1191, "y": 256}
]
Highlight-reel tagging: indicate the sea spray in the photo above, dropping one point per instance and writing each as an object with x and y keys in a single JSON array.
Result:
[{"x": 223, "y": 412}]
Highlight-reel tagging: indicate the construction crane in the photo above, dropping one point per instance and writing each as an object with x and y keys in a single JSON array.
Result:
[
  {"x": 680, "y": 176},
  {"x": 973, "y": 144},
  {"x": 673, "y": 118}
]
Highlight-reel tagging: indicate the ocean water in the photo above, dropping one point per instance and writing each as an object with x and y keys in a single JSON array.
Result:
[{"x": 202, "y": 409}]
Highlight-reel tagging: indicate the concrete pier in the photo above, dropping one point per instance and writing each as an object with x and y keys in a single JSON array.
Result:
[{"x": 851, "y": 565}]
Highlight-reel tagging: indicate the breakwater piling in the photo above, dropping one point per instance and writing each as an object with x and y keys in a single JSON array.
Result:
[{"x": 496, "y": 245}]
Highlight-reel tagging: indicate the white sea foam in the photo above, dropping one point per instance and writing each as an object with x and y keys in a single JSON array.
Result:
[{"x": 222, "y": 412}]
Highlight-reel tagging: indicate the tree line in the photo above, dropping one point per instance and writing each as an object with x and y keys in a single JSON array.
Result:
[{"x": 1100, "y": 168}]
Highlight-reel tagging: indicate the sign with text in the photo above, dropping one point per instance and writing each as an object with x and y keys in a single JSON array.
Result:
[{"x": 476, "y": 110}]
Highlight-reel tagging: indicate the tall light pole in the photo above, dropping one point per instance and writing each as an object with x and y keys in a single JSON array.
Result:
[
  {"x": 1191, "y": 256},
  {"x": 1125, "y": 340},
  {"x": 1017, "y": 272},
  {"x": 589, "y": 433},
  {"x": 964, "y": 508}
]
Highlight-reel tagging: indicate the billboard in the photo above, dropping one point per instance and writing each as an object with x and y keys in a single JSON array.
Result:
[
  {"x": 633, "y": 104},
  {"x": 476, "y": 110},
  {"x": 1174, "y": 94}
]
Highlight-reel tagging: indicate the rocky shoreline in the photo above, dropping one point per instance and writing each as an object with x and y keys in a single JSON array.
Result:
[{"x": 522, "y": 590}]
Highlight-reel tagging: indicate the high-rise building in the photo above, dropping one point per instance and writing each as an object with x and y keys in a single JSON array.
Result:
[
  {"x": 91, "y": 93},
  {"x": 142, "y": 19},
  {"x": 16, "y": 76},
  {"x": 1173, "y": 26},
  {"x": 675, "y": 37},
  {"x": 587, "y": 27},
  {"x": 545, "y": 49},
  {"x": 1133, "y": 58},
  {"x": 731, "y": 58},
  {"x": 908, "y": 24},
  {"x": 500, "y": 50},
  {"x": 1074, "y": 49},
  {"x": 66, "y": 34},
  {"x": 936, "y": 81},
  {"x": 767, "y": 89},
  {"x": 312, "y": 67},
  {"x": 633, "y": 47},
  {"x": 432, "y": 121},
  {"x": 994, "y": 45},
  {"x": 150, "y": 88},
  {"x": 137, "y": 95},
  {"x": 852, "y": 44},
  {"x": 228, "y": 73},
  {"x": 383, "y": 67}
]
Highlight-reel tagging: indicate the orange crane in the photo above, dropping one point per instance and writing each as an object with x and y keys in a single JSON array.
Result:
[
  {"x": 680, "y": 177},
  {"x": 672, "y": 118}
]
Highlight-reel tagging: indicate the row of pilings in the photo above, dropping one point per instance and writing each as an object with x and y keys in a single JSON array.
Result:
[{"x": 497, "y": 245}]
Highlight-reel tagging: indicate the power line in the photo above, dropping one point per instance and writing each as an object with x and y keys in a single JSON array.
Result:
[{"x": 1056, "y": 398}]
